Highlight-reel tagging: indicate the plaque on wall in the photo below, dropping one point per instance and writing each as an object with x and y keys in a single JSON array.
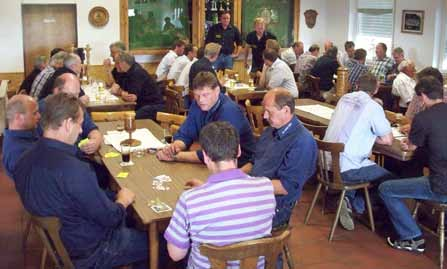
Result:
[{"x": 98, "y": 16}]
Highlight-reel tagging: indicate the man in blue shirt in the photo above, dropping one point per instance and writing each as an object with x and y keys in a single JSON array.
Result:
[
  {"x": 52, "y": 181},
  {"x": 69, "y": 83},
  {"x": 209, "y": 105},
  {"x": 286, "y": 153},
  {"x": 23, "y": 116}
]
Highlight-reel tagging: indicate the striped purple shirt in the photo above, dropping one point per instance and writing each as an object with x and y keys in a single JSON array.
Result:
[{"x": 230, "y": 207}]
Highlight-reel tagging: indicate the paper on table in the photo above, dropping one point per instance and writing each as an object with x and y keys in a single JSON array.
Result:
[
  {"x": 397, "y": 134},
  {"x": 95, "y": 95},
  {"x": 148, "y": 140},
  {"x": 318, "y": 110}
]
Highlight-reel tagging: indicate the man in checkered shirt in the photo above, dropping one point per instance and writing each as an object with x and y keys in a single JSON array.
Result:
[{"x": 382, "y": 64}]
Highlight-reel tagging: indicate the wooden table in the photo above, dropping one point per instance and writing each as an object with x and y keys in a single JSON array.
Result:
[
  {"x": 393, "y": 151},
  {"x": 244, "y": 94},
  {"x": 110, "y": 106},
  {"x": 140, "y": 178}
]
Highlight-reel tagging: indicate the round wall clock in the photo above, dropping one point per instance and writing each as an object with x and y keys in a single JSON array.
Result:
[{"x": 98, "y": 16}]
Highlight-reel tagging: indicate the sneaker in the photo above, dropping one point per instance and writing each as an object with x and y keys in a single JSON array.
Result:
[
  {"x": 413, "y": 245},
  {"x": 346, "y": 220}
]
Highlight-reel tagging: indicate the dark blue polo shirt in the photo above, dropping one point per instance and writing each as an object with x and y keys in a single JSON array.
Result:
[
  {"x": 290, "y": 155},
  {"x": 225, "y": 37},
  {"x": 61, "y": 185},
  {"x": 257, "y": 48},
  {"x": 15, "y": 143},
  {"x": 223, "y": 110}
]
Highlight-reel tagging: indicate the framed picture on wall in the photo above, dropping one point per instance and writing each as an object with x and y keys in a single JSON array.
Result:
[{"x": 413, "y": 21}]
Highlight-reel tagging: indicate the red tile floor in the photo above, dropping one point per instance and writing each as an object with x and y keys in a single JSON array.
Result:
[{"x": 349, "y": 250}]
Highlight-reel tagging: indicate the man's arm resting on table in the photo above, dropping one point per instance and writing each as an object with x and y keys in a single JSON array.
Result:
[
  {"x": 176, "y": 253},
  {"x": 385, "y": 139}
]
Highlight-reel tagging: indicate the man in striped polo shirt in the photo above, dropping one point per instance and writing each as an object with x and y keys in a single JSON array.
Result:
[{"x": 230, "y": 207}]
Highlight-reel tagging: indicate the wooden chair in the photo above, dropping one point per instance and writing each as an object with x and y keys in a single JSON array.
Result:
[
  {"x": 174, "y": 100},
  {"x": 314, "y": 83},
  {"x": 48, "y": 230},
  {"x": 249, "y": 95},
  {"x": 330, "y": 177},
  {"x": 318, "y": 131},
  {"x": 255, "y": 117},
  {"x": 441, "y": 208},
  {"x": 247, "y": 252},
  {"x": 163, "y": 84},
  {"x": 109, "y": 116},
  {"x": 171, "y": 121}
]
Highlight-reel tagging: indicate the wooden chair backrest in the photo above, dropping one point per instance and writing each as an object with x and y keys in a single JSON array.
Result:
[
  {"x": 3, "y": 103},
  {"x": 325, "y": 166},
  {"x": 171, "y": 121},
  {"x": 180, "y": 103},
  {"x": 318, "y": 131},
  {"x": 48, "y": 230},
  {"x": 255, "y": 117},
  {"x": 109, "y": 116},
  {"x": 249, "y": 95},
  {"x": 247, "y": 252},
  {"x": 314, "y": 83},
  {"x": 173, "y": 104}
]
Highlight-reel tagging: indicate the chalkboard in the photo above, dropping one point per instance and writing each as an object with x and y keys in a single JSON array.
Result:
[
  {"x": 157, "y": 24},
  {"x": 278, "y": 16}
]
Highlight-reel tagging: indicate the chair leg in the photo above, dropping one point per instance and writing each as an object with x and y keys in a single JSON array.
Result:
[
  {"x": 324, "y": 200},
  {"x": 314, "y": 200},
  {"x": 415, "y": 210},
  {"x": 337, "y": 215},
  {"x": 369, "y": 207},
  {"x": 288, "y": 256},
  {"x": 43, "y": 258},
  {"x": 26, "y": 232},
  {"x": 441, "y": 238}
]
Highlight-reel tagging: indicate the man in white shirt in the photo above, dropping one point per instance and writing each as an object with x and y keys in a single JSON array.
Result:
[
  {"x": 181, "y": 61},
  {"x": 346, "y": 56},
  {"x": 278, "y": 74},
  {"x": 291, "y": 55},
  {"x": 183, "y": 79},
  {"x": 358, "y": 122},
  {"x": 403, "y": 84},
  {"x": 168, "y": 60}
]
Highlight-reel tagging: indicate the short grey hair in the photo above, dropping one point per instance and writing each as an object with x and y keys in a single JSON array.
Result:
[
  {"x": 71, "y": 59},
  {"x": 404, "y": 64},
  {"x": 125, "y": 57},
  {"x": 118, "y": 44},
  {"x": 58, "y": 58},
  {"x": 17, "y": 105}
]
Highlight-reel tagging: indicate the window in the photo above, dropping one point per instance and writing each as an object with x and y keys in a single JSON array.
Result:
[{"x": 375, "y": 24}]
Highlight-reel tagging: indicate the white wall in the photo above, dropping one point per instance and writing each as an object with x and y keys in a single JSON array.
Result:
[
  {"x": 318, "y": 34},
  {"x": 98, "y": 38}
]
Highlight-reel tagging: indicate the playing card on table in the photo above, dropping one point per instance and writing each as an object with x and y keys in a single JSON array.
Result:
[
  {"x": 161, "y": 207},
  {"x": 163, "y": 178}
]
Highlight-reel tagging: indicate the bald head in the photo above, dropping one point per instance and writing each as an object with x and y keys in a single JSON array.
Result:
[
  {"x": 68, "y": 83},
  {"x": 279, "y": 107},
  {"x": 327, "y": 45},
  {"x": 22, "y": 113}
]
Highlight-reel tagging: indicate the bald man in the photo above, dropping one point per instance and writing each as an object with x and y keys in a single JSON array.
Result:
[{"x": 23, "y": 115}]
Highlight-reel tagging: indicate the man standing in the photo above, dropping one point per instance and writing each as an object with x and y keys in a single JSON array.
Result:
[
  {"x": 382, "y": 64},
  {"x": 403, "y": 85},
  {"x": 23, "y": 116},
  {"x": 428, "y": 131},
  {"x": 256, "y": 42},
  {"x": 189, "y": 55},
  {"x": 52, "y": 181},
  {"x": 356, "y": 67},
  {"x": 210, "y": 105},
  {"x": 229, "y": 37},
  {"x": 278, "y": 74},
  {"x": 137, "y": 86},
  {"x": 358, "y": 122},
  {"x": 286, "y": 153},
  {"x": 167, "y": 61},
  {"x": 208, "y": 212},
  {"x": 291, "y": 55}
]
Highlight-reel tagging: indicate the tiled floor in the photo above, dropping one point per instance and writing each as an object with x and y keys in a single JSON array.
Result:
[{"x": 311, "y": 250}]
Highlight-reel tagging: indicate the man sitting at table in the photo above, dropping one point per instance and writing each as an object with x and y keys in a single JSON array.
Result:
[
  {"x": 40, "y": 63},
  {"x": 52, "y": 181},
  {"x": 167, "y": 61},
  {"x": 325, "y": 68},
  {"x": 278, "y": 73},
  {"x": 358, "y": 122},
  {"x": 112, "y": 69},
  {"x": 230, "y": 207},
  {"x": 356, "y": 67},
  {"x": 286, "y": 153},
  {"x": 22, "y": 114},
  {"x": 69, "y": 84},
  {"x": 137, "y": 86},
  {"x": 209, "y": 105},
  {"x": 403, "y": 84},
  {"x": 189, "y": 55},
  {"x": 428, "y": 131},
  {"x": 56, "y": 61},
  {"x": 183, "y": 79},
  {"x": 205, "y": 64},
  {"x": 382, "y": 64}
]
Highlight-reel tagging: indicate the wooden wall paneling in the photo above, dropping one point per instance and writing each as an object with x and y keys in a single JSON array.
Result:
[{"x": 296, "y": 20}]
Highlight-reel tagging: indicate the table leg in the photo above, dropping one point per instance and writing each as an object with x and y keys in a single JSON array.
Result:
[{"x": 153, "y": 246}]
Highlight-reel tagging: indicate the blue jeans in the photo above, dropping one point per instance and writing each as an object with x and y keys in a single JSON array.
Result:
[
  {"x": 361, "y": 175},
  {"x": 392, "y": 193},
  {"x": 122, "y": 246},
  {"x": 223, "y": 62}
]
